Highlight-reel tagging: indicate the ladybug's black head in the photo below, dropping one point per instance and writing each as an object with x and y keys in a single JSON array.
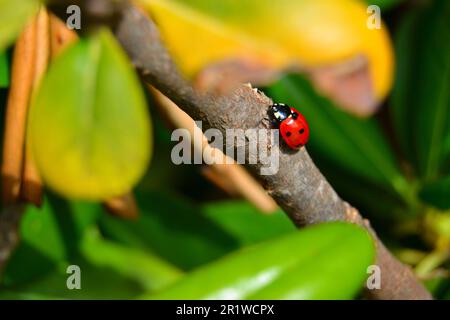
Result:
[{"x": 278, "y": 112}]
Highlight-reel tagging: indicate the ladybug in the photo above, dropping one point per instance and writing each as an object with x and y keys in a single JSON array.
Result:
[{"x": 293, "y": 126}]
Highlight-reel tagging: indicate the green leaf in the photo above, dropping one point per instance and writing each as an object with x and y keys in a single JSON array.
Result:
[
  {"x": 350, "y": 143},
  {"x": 437, "y": 193},
  {"x": 365, "y": 195},
  {"x": 327, "y": 261},
  {"x": 146, "y": 269},
  {"x": 401, "y": 96},
  {"x": 4, "y": 70},
  {"x": 421, "y": 100},
  {"x": 13, "y": 16},
  {"x": 89, "y": 125}
]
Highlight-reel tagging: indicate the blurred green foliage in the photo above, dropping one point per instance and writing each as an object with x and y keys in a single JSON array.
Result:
[
  {"x": 421, "y": 99},
  {"x": 139, "y": 258},
  {"x": 63, "y": 233},
  {"x": 437, "y": 193}
]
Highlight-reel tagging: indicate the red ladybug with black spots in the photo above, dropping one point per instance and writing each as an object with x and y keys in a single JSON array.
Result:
[{"x": 293, "y": 126}]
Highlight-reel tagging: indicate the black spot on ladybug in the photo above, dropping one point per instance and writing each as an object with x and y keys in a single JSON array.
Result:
[
  {"x": 301, "y": 131},
  {"x": 295, "y": 115},
  {"x": 288, "y": 133}
]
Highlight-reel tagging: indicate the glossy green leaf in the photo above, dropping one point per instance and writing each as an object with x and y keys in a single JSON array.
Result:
[
  {"x": 327, "y": 261},
  {"x": 89, "y": 125},
  {"x": 437, "y": 193},
  {"x": 421, "y": 99},
  {"x": 4, "y": 70},
  {"x": 353, "y": 144},
  {"x": 366, "y": 196},
  {"x": 13, "y": 16}
]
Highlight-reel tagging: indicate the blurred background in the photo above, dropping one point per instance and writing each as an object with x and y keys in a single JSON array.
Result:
[{"x": 376, "y": 96}]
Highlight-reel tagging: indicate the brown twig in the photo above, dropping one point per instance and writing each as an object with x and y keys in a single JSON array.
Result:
[
  {"x": 228, "y": 175},
  {"x": 16, "y": 113},
  {"x": 60, "y": 36},
  {"x": 123, "y": 207},
  {"x": 31, "y": 189},
  {"x": 298, "y": 186}
]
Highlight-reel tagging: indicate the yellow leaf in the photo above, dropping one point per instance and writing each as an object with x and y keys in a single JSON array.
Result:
[
  {"x": 306, "y": 33},
  {"x": 196, "y": 40},
  {"x": 89, "y": 125}
]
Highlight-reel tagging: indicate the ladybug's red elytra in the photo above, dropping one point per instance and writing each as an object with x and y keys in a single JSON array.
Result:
[{"x": 292, "y": 124}]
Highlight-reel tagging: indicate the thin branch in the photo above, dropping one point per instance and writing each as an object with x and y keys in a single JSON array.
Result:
[
  {"x": 31, "y": 188},
  {"x": 298, "y": 187},
  {"x": 16, "y": 114},
  {"x": 228, "y": 175},
  {"x": 60, "y": 36}
]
